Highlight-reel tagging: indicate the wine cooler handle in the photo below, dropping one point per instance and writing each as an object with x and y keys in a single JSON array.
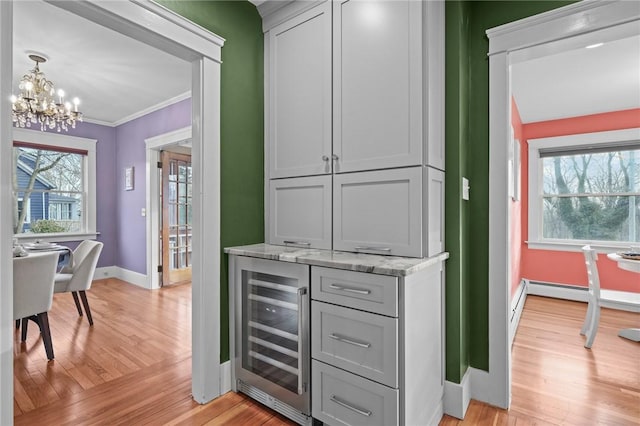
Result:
[{"x": 302, "y": 291}]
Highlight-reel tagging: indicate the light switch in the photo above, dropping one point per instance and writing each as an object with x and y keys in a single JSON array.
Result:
[
  {"x": 465, "y": 188},
  {"x": 143, "y": 212}
]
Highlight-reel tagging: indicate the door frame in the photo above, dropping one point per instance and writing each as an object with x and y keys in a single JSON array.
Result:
[
  {"x": 539, "y": 30},
  {"x": 153, "y": 147},
  {"x": 150, "y": 23}
]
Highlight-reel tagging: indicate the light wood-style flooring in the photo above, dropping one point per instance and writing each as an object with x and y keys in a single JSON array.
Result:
[
  {"x": 133, "y": 367},
  {"x": 556, "y": 381}
]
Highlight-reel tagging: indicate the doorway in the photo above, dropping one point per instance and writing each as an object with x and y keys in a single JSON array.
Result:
[
  {"x": 176, "y": 194},
  {"x": 163, "y": 29}
]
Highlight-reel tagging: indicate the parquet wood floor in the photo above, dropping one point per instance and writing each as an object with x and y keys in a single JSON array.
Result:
[{"x": 133, "y": 367}]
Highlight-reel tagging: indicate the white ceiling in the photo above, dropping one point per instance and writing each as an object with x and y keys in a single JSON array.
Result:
[
  {"x": 118, "y": 78},
  {"x": 579, "y": 81},
  {"x": 115, "y": 77}
]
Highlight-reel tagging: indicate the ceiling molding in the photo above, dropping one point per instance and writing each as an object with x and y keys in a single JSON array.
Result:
[{"x": 153, "y": 108}]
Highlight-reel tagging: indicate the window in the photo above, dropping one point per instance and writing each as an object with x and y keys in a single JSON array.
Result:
[
  {"x": 585, "y": 188},
  {"x": 53, "y": 186}
]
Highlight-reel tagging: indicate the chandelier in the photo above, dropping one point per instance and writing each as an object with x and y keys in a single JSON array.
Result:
[{"x": 37, "y": 103}]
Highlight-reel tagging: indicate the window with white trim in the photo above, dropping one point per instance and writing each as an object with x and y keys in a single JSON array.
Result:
[
  {"x": 585, "y": 188},
  {"x": 54, "y": 185}
]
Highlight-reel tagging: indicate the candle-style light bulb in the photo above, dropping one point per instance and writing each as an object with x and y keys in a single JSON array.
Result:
[
  {"x": 14, "y": 99},
  {"x": 28, "y": 86},
  {"x": 76, "y": 102},
  {"x": 61, "y": 95}
]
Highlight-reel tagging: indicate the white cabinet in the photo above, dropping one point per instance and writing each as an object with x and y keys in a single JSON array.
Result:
[
  {"x": 379, "y": 212},
  {"x": 372, "y": 369},
  {"x": 377, "y": 84},
  {"x": 355, "y": 93},
  {"x": 300, "y": 212},
  {"x": 299, "y": 63}
]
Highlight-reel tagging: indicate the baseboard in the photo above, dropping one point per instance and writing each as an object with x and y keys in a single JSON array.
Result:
[
  {"x": 225, "y": 377},
  {"x": 457, "y": 397},
  {"x": 517, "y": 305},
  {"x": 131, "y": 277},
  {"x": 104, "y": 272},
  {"x": 475, "y": 384},
  {"x": 612, "y": 299}
]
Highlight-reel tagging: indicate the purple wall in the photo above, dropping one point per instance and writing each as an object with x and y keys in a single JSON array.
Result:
[
  {"x": 130, "y": 244},
  {"x": 106, "y": 202}
]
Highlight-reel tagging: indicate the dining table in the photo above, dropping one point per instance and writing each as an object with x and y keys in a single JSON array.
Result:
[
  {"x": 65, "y": 253},
  {"x": 628, "y": 262}
]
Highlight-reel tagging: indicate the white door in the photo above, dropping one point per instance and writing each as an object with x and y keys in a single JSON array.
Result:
[
  {"x": 379, "y": 212},
  {"x": 377, "y": 84},
  {"x": 300, "y": 95},
  {"x": 300, "y": 212}
]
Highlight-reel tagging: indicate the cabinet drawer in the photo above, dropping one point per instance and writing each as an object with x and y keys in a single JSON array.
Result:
[
  {"x": 360, "y": 342},
  {"x": 359, "y": 290},
  {"x": 341, "y": 398},
  {"x": 299, "y": 212},
  {"x": 379, "y": 212}
]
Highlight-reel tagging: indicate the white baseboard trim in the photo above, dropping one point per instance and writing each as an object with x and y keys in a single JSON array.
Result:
[
  {"x": 225, "y": 377},
  {"x": 612, "y": 299},
  {"x": 104, "y": 272},
  {"x": 131, "y": 277},
  {"x": 457, "y": 397},
  {"x": 475, "y": 384},
  {"x": 517, "y": 305}
]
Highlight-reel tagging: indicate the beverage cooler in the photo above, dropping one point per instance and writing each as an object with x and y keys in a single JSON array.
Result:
[{"x": 271, "y": 339}]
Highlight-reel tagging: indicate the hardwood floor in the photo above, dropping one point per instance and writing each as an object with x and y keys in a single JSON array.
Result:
[
  {"x": 133, "y": 367},
  {"x": 555, "y": 380}
]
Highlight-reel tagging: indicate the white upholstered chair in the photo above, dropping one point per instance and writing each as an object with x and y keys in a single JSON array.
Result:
[
  {"x": 76, "y": 277},
  {"x": 33, "y": 279},
  {"x": 592, "y": 319}
]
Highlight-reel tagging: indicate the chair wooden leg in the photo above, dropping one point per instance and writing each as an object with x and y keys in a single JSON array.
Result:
[
  {"x": 75, "y": 299},
  {"x": 25, "y": 323},
  {"x": 17, "y": 324},
  {"x": 85, "y": 303},
  {"x": 43, "y": 321}
]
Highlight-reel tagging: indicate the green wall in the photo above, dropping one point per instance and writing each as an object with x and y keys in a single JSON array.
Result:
[
  {"x": 467, "y": 150},
  {"x": 241, "y": 128},
  {"x": 467, "y": 153}
]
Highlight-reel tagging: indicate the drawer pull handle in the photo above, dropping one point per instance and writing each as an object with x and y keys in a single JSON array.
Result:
[
  {"x": 350, "y": 289},
  {"x": 349, "y": 341},
  {"x": 298, "y": 243},
  {"x": 337, "y": 400},
  {"x": 373, "y": 248}
]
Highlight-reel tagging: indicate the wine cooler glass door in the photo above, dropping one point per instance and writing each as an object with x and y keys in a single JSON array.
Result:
[{"x": 274, "y": 341}]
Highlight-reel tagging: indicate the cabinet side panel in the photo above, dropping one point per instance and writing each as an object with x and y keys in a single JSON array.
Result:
[{"x": 421, "y": 346}]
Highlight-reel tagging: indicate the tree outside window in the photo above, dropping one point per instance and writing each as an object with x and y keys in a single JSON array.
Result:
[
  {"x": 591, "y": 195},
  {"x": 48, "y": 188}
]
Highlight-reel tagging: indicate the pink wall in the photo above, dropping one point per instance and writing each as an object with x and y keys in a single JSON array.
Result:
[
  {"x": 517, "y": 242},
  {"x": 568, "y": 267}
]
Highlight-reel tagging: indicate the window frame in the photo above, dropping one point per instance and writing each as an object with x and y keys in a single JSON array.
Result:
[
  {"x": 598, "y": 139},
  {"x": 63, "y": 141}
]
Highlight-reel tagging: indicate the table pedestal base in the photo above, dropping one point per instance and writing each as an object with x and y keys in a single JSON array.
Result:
[{"x": 631, "y": 334}]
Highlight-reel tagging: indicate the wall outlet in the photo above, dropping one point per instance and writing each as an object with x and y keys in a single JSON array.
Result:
[
  {"x": 143, "y": 212},
  {"x": 465, "y": 188}
]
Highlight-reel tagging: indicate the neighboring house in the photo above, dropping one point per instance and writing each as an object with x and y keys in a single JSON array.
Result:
[{"x": 42, "y": 203}]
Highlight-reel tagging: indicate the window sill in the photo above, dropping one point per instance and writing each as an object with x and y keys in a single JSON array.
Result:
[
  {"x": 576, "y": 246},
  {"x": 77, "y": 236}
]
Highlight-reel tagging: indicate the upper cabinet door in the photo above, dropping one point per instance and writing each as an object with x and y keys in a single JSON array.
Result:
[
  {"x": 300, "y": 95},
  {"x": 378, "y": 85}
]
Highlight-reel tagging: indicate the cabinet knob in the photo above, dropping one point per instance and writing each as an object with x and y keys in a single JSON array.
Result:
[
  {"x": 325, "y": 158},
  {"x": 334, "y": 157}
]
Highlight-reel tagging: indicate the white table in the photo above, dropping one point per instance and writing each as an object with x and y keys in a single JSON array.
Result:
[{"x": 633, "y": 266}]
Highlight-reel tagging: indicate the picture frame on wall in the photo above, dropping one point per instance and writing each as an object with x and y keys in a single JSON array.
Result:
[{"x": 129, "y": 178}]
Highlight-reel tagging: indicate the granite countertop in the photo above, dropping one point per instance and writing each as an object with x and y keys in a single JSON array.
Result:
[{"x": 360, "y": 262}]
